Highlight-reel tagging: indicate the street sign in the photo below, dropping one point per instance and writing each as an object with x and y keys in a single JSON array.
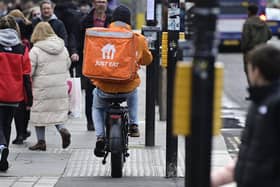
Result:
[{"x": 173, "y": 17}]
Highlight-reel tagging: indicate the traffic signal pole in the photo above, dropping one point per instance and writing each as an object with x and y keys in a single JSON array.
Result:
[{"x": 200, "y": 141}]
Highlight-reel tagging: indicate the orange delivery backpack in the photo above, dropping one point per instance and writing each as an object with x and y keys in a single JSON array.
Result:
[{"x": 110, "y": 54}]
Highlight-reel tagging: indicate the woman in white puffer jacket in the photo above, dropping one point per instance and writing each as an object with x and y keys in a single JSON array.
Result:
[{"x": 50, "y": 63}]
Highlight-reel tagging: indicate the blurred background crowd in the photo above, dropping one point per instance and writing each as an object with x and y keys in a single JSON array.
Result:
[{"x": 30, "y": 7}]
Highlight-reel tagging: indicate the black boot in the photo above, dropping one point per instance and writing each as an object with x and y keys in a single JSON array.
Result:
[
  {"x": 90, "y": 126},
  {"x": 26, "y": 134},
  {"x": 19, "y": 140},
  {"x": 66, "y": 137},
  {"x": 4, "y": 164}
]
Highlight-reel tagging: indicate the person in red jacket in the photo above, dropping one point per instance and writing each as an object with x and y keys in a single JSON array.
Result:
[{"x": 15, "y": 82}]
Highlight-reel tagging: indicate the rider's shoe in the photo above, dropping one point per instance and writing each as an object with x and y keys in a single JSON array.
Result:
[
  {"x": 99, "y": 150},
  {"x": 133, "y": 130}
]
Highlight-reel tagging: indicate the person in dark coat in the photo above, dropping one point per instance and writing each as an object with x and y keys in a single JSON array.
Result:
[
  {"x": 47, "y": 14},
  {"x": 84, "y": 7},
  {"x": 255, "y": 32},
  {"x": 69, "y": 14},
  {"x": 258, "y": 162},
  {"x": 99, "y": 16}
]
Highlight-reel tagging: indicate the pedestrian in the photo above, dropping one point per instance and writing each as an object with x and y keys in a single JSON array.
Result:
[
  {"x": 99, "y": 16},
  {"x": 3, "y": 8},
  {"x": 50, "y": 63},
  {"x": 47, "y": 14},
  {"x": 84, "y": 7},
  {"x": 26, "y": 6},
  {"x": 258, "y": 159},
  {"x": 25, "y": 26},
  {"x": 67, "y": 11},
  {"x": 34, "y": 13},
  {"x": 15, "y": 82},
  {"x": 255, "y": 32},
  {"x": 121, "y": 18},
  {"x": 22, "y": 113}
]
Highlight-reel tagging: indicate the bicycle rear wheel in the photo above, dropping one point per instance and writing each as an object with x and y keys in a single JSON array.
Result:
[
  {"x": 116, "y": 148},
  {"x": 116, "y": 164}
]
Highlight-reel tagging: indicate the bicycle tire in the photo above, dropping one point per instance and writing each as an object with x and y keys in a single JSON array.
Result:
[
  {"x": 115, "y": 139},
  {"x": 116, "y": 148},
  {"x": 116, "y": 164}
]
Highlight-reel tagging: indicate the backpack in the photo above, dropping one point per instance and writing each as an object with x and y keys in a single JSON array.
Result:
[{"x": 110, "y": 54}]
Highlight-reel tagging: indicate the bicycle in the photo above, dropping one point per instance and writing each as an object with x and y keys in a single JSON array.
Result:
[{"x": 116, "y": 141}]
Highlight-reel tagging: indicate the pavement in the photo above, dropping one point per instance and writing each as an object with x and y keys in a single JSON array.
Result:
[{"x": 77, "y": 166}]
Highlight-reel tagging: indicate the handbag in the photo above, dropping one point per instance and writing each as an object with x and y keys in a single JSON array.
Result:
[{"x": 75, "y": 97}]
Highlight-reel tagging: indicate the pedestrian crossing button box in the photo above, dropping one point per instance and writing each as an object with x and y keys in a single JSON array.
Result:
[{"x": 152, "y": 35}]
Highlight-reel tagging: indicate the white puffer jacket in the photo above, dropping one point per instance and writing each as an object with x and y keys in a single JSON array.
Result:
[{"x": 50, "y": 63}]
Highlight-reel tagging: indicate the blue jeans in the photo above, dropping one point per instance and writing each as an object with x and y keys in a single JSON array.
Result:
[{"x": 100, "y": 106}]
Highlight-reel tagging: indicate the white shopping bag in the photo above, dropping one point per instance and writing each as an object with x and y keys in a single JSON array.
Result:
[{"x": 75, "y": 97}]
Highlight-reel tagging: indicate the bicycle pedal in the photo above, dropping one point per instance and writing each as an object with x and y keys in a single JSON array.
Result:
[{"x": 126, "y": 154}]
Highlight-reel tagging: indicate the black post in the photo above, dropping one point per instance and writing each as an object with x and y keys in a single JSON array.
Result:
[
  {"x": 158, "y": 17},
  {"x": 150, "y": 104},
  {"x": 173, "y": 28},
  {"x": 205, "y": 52},
  {"x": 162, "y": 95},
  {"x": 151, "y": 33}
]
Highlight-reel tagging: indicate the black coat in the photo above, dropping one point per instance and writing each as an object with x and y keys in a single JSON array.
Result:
[
  {"x": 258, "y": 162},
  {"x": 69, "y": 14},
  {"x": 25, "y": 29},
  {"x": 57, "y": 26}
]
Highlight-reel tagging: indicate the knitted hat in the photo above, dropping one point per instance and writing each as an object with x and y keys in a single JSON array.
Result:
[{"x": 122, "y": 13}]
